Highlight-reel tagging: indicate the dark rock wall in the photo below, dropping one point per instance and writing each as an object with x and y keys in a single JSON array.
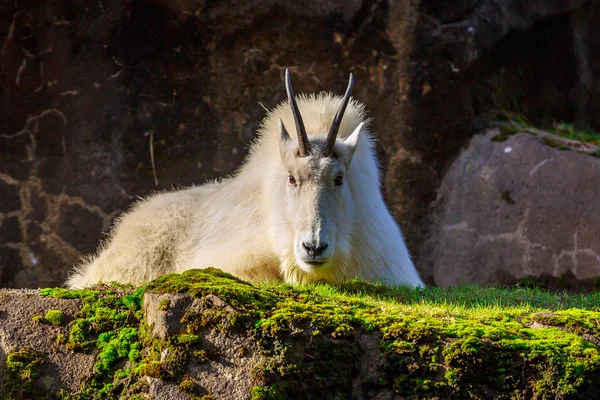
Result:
[{"x": 106, "y": 101}]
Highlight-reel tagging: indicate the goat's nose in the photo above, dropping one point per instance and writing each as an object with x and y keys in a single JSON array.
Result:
[{"x": 314, "y": 250}]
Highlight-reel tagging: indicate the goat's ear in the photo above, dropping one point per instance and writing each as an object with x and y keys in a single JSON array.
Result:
[
  {"x": 352, "y": 141},
  {"x": 284, "y": 140}
]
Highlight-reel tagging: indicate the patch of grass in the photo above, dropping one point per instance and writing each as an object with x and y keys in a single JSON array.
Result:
[
  {"x": 515, "y": 118},
  {"x": 468, "y": 297},
  {"x": 476, "y": 331},
  {"x": 511, "y": 124},
  {"x": 568, "y": 131}
]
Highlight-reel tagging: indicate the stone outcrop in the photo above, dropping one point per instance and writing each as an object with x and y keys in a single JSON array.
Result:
[
  {"x": 514, "y": 208},
  {"x": 205, "y": 333},
  {"x": 105, "y": 102},
  {"x": 21, "y": 316}
]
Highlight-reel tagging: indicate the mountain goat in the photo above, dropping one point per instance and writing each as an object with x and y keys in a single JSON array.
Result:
[{"x": 300, "y": 210}]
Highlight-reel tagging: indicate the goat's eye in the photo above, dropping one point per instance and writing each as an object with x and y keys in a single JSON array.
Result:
[
  {"x": 291, "y": 180},
  {"x": 339, "y": 180}
]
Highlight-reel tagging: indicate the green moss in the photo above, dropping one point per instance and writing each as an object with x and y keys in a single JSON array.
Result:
[
  {"x": 553, "y": 143},
  {"x": 37, "y": 319},
  {"x": 200, "y": 356},
  {"x": 187, "y": 386},
  {"x": 163, "y": 359},
  {"x": 101, "y": 312},
  {"x": 188, "y": 339},
  {"x": 166, "y": 359},
  {"x": 61, "y": 339},
  {"x": 249, "y": 302},
  {"x": 472, "y": 337},
  {"x": 268, "y": 393},
  {"x": 139, "y": 390},
  {"x": 107, "y": 322},
  {"x": 23, "y": 368},
  {"x": 572, "y": 320},
  {"x": 164, "y": 304},
  {"x": 117, "y": 346},
  {"x": 55, "y": 317},
  {"x": 568, "y": 131},
  {"x": 200, "y": 283},
  {"x": 468, "y": 342},
  {"x": 61, "y": 293},
  {"x": 511, "y": 123}
]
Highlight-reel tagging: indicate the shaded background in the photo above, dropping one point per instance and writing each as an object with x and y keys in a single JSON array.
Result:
[{"x": 92, "y": 92}]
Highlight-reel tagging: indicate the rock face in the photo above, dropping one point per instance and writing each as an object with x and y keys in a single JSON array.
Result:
[
  {"x": 104, "y": 102},
  {"x": 23, "y": 330},
  {"x": 516, "y": 209},
  {"x": 205, "y": 333}
]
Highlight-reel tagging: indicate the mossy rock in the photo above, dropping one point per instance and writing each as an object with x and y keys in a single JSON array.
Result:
[
  {"x": 357, "y": 340},
  {"x": 23, "y": 367}
]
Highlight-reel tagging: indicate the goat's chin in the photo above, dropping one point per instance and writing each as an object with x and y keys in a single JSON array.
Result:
[
  {"x": 312, "y": 267},
  {"x": 294, "y": 270}
]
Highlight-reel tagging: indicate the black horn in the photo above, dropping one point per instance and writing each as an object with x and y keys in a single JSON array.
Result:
[
  {"x": 303, "y": 144},
  {"x": 337, "y": 120}
]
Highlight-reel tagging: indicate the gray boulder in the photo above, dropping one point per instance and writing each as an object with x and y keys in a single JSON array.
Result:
[{"x": 515, "y": 209}]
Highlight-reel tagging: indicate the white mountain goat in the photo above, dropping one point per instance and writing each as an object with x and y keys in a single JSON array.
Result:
[{"x": 299, "y": 210}]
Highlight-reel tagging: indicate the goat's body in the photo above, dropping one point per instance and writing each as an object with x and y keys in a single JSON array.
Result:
[{"x": 232, "y": 225}]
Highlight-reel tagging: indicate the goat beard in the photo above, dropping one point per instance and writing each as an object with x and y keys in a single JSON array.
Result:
[{"x": 293, "y": 274}]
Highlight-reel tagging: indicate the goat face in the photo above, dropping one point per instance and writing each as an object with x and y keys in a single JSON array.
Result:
[{"x": 318, "y": 203}]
